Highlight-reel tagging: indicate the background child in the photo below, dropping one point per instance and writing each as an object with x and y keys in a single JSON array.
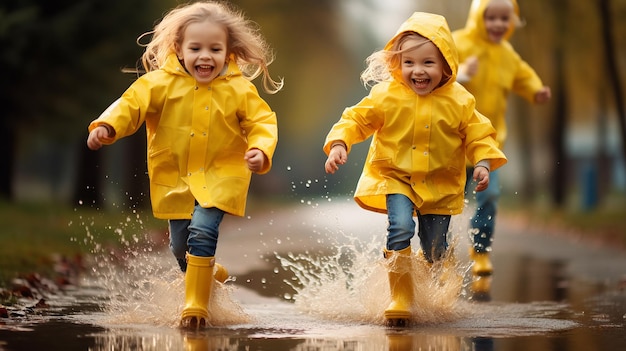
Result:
[
  {"x": 208, "y": 130},
  {"x": 424, "y": 125},
  {"x": 490, "y": 69}
]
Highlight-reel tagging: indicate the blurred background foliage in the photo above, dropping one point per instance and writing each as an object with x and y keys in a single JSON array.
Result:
[{"x": 62, "y": 63}]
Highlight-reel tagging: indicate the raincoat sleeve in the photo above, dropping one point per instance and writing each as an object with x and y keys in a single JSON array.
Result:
[
  {"x": 126, "y": 114},
  {"x": 357, "y": 123},
  {"x": 480, "y": 139},
  {"x": 259, "y": 123},
  {"x": 526, "y": 82}
]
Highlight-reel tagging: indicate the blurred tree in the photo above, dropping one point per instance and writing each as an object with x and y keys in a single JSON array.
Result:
[
  {"x": 613, "y": 73},
  {"x": 317, "y": 51},
  {"x": 560, "y": 92},
  {"x": 59, "y": 59}
]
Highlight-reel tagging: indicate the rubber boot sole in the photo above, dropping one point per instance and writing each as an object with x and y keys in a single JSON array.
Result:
[
  {"x": 397, "y": 322},
  {"x": 193, "y": 323},
  {"x": 397, "y": 319}
]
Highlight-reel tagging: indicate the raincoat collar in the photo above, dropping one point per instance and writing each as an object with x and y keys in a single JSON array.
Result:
[
  {"x": 475, "y": 20},
  {"x": 435, "y": 28}
]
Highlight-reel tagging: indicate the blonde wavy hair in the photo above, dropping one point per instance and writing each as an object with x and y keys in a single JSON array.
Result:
[
  {"x": 381, "y": 64},
  {"x": 245, "y": 42}
]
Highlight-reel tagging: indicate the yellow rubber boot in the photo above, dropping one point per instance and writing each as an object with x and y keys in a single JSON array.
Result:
[
  {"x": 398, "y": 313},
  {"x": 221, "y": 274},
  {"x": 482, "y": 264},
  {"x": 450, "y": 275},
  {"x": 481, "y": 289},
  {"x": 198, "y": 284}
]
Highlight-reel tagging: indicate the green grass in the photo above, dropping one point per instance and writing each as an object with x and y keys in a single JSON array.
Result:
[{"x": 33, "y": 234}]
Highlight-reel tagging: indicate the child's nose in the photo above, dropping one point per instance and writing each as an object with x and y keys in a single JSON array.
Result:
[
  {"x": 419, "y": 70},
  {"x": 205, "y": 54}
]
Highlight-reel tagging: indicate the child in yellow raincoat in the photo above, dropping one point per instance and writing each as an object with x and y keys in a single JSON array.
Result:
[
  {"x": 207, "y": 127},
  {"x": 490, "y": 68},
  {"x": 424, "y": 126}
]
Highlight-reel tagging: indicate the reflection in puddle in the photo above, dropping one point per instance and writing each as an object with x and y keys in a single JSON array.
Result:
[
  {"x": 142, "y": 306},
  {"x": 318, "y": 300},
  {"x": 329, "y": 300},
  {"x": 146, "y": 321}
]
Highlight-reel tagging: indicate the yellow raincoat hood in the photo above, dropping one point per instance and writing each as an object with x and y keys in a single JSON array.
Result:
[
  {"x": 500, "y": 68},
  {"x": 435, "y": 28},
  {"x": 419, "y": 143},
  {"x": 476, "y": 24}
]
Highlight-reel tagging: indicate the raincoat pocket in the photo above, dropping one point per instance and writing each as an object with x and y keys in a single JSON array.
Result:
[
  {"x": 163, "y": 168},
  {"x": 231, "y": 165},
  {"x": 446, "y": 181}
]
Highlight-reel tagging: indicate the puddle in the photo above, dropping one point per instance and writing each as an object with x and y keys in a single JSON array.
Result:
[{"x": 324, "y": 292}]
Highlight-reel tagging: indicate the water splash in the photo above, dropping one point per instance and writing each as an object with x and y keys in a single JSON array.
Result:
[
  {"x": 351, "y": 285},
  {"x": 143, "y": 284}
]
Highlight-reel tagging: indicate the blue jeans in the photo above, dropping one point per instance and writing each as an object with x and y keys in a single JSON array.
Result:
[
  {"x": 433, "y": 229},
  {"x": 483, "y": 221},
  {"x": 197, "y": 235}
]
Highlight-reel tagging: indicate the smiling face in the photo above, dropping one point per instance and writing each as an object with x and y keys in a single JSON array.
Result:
[
  {"x": 422, "y": 65},
  {"x": 498, "y": 18},
  {"x": 203, "y": 50}
]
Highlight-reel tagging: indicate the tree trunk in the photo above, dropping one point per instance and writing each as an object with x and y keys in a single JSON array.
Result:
[
  {"x": 559, "y": 177},
  {"x": 7, "y": 145},
  {"x": 557, "y": 132},
  {"x": 87, "y": 180},
  {"x": 612, "y": 68}
]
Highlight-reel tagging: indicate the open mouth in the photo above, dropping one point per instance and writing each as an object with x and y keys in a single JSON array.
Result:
[
  {"x": 204, "y": 70},
  {"x": 420, "y": 83},
  {"x": 498, "y": 34}
]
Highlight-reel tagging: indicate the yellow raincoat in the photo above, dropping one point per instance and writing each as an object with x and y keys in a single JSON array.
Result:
[
  {"x": 500, "y": 69},
  {"x": 419, "y": 143},
  {"x": 197, "y": 136}
]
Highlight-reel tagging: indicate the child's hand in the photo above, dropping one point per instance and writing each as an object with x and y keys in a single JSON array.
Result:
[
  {"x": 543, "y": 95},
  {"x": 469, "y": 67},
  {"x": 481, "y": 177},
  {"x": 255, "y": 159},
  {"x": 337, "y": 156},
  {"x": 94, "y": 141}
]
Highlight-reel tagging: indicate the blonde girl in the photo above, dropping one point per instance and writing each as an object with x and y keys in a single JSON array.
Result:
[
  {"x": 423, "y": 125},
  {"x": 208, "y": 130}
]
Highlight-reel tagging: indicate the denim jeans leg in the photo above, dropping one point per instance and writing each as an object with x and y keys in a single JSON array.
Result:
[
  {"x": 483, "y": 221},
  {"x": 401, "y": 227},
  {"x": 433, "y": 233},
  {"x": 204, "y": 231},
  {"x": 179, "y": 233}
]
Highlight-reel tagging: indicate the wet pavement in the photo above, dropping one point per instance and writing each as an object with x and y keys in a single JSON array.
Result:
[{"x": 309, "y": 277}]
